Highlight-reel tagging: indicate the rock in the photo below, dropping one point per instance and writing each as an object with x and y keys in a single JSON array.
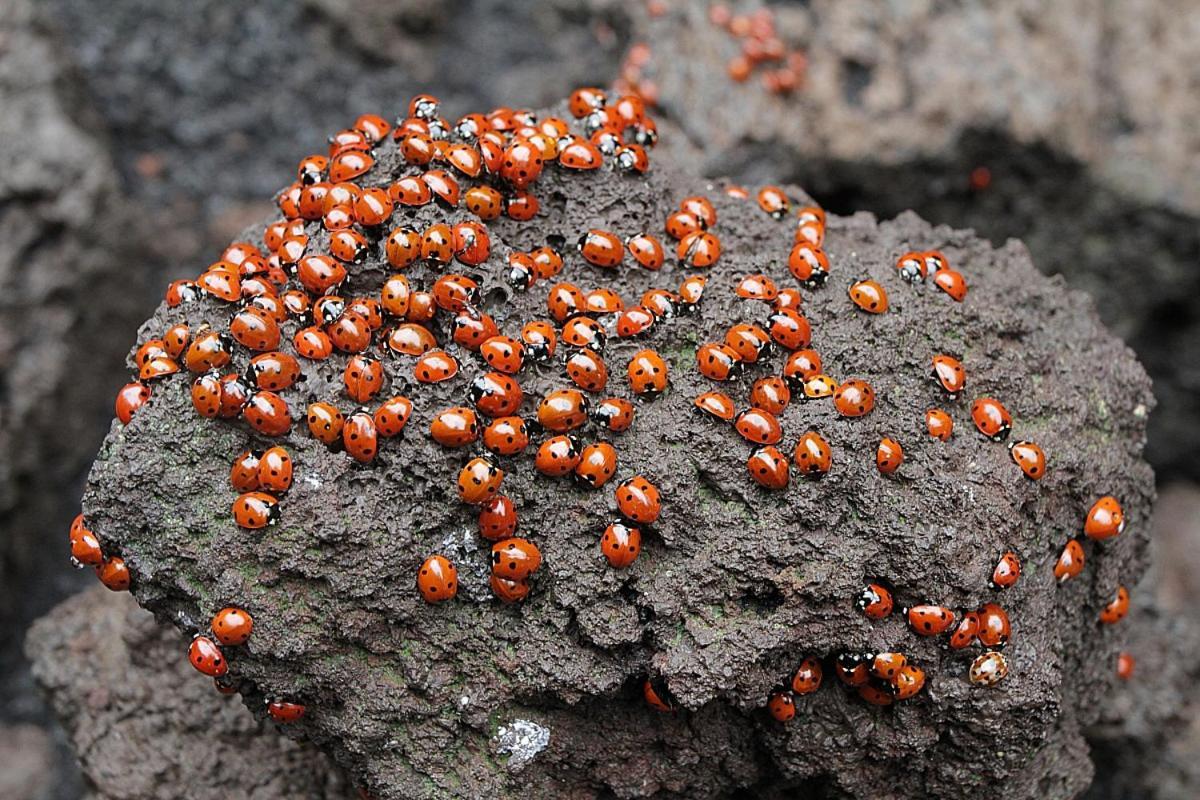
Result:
[
  {"x": 148, "y": 727},
  {"x": 734, "y": 585},
  {"x": 28, "y": 758}
]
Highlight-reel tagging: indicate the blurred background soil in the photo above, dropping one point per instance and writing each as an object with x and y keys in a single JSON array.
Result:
[{"x": 138, "y": 138}]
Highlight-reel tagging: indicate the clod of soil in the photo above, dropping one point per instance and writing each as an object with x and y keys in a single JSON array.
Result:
[{"x": 734, "y": 586}]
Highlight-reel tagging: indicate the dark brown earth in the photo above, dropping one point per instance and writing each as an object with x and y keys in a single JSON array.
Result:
[{"x": 734, "y": 585}]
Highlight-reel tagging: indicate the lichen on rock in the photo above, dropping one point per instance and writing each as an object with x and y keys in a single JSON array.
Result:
[{"x": 734, "y": 584}]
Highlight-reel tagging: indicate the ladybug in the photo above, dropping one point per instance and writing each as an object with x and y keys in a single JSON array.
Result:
[
  {"x": 813, "y": 455},
  {"x": 465, "y": 159},
  {"x": 808, "y": 676},
  {"x": 114, "y": 574},
  {"x": 176, "y": 339},
  {"x": 801, "y": 365},
  {"x": 1125, "y": 666},
  {"x": 869, "y": 296},
  {"x": 546, "y": 262},
  {"x": 274, "y": 371},
  {"x": 350, "y": 333},
  {"x": 854, "y": 398},
  {"x": 965, "y": 632},
  {"x": 889, "y": 455},
  {"x": 363, "y": 378},
  {"x": 948, "y": 372},
  {"x": 206, "y": 656},
  {"x": 771, "y": 394},
  {"x": 158, "y": 367},
  {"x": 774, "y": 201},
  {"x": 1006, "y": 572},
  {"x": 660, "y": 302},
  {"x": 325, "y": 423},
  {"x": 296, "y": 301},
  {"x": 435, "y": 366},
  {"x": 584, "y": 332},
  {"x": 701, "y": 207},
  {"x": 243, "y": 474},
  {"x": 782, "y": 706},
  {"x": 484, "y": 202},
  {"x": 563, "y": 410},
  {"x": 223, "y": 284},
  {"x": 988, "y": 669},
  {"x": 521, "y": 206},
  {"x": 497, "y": 518},
  {"x": 508, "y": 591},
  {"x": 255, "y": 510},
  {"x": 402, "y": 248},
  {"x": 698, "y": 249},
  {"x": 348, "y": 165},
  {"x": 758, "y": 426},
  {"x": 472, "y": 245},
  {"x": 421, "y": 308},
  {"x": 392, "y": 415},
  {"x": 587, "y": 371},
  {"x": 789, "y": 329},
  {"x": 614, "y": 413},
  {"x": 564, "y": 301},
  {"x": 939, "y": 424},
  {"x": 718, "y": 362},
  {"x": 638, "y": 500},
  {"x": 372, "y": 126},
  {"x": 1030, "y": 458},
  {"x": 769, "y": 468},
  {"x": 180, "y": 292},
  {"x": 683, "y": 223},
  {"x": 437, "y": 580},
  {"x": 372, "y": 207},
  {"x": 750, "y": 342},
  {"x": 411, "y": 339},
  {"x": 604, "y": 301},
  {"x": 360, "y": 437},
  {"x": 852, "y": 669},
  {"x": 496, "y": 395},
  {"x": 580, "y": 154},
  {"x": 479, "y": 481},
  {"x": 601, "y": 248},
  {"x": 515, "y": 559},
  {"x": 991, "y": 418},
  {"x": 130, "y": 398},
  {"x": 1070, "y": 561},
  {"x": 809, "y": 265},
  {"x": 522, "y": 271},
  {"x": 717, "y": 405},
  {"x": 621, "y": 544},
  {"x": 887, "y": 666},
  {"x": 1105, "y": 519},
  {"x": 647, "y": 373},
  {"x": 912, "y": 267},
  {"x": 455, "y": 292},
  {"x": 994, "y": 628},
  {"x": 268, "y": 414},
  {"x": 691, "y": 292},
  {"x": 472, "y": 329},
  {"x": 634, "y": 321},
  {"x": 503, "y": 354},
  {"x": 285, "y": 713},
  {"x": 929, "y": 620},
  {"x": 875, "y": 601},
  {"x": 657, "y": 696},
  {"x": 232, "y": 626},
  {"x": 506, "y": 436},
  {"x": 646, "y": 250},
  {"x": 521, "y": 163},
  {"x": 320, "y": 274},
  {"x": 818, "y": 386},
  {"x": 234, "y": 397},
  {"x": 85, "y": 547},
  {"x": 597, "y": 464},
  {"x": 951, "y": 282},
  {"x": 454, "y": 427},
  {"x": 908, "y": 682},
  {"x": 558, "y": 456},
  {"x": 275, "y": 470},
  {"x": 396, "y": 295},
  {"x": 586, "y": 100},
  {"x": 1117, "y": 608},
  {"x": 208, "y": 351},
  {"x": 810, "y": 226}
]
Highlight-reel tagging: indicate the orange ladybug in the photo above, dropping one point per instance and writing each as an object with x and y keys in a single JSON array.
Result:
[
  {"x": 1006, "y": 572},
  {"x": 275, "y": 470},
  {"x": 614, "y": 413},
  {"x": 479, "y": 481},
  {"x": 437, "y": 579},
  {"x": 557, "y": 456},
  {"x": 454, "y": 427},
  {"x": 875, "y": 601},
  {"x": 1070, "y": 561},
  {"x": 1030, "y": 458},
  {"x": 515, "y": 559},
  {"x": 991, "y": 418},
  {"x": 718, "y": 362},
  {"x": 497, "y": 519},
  {"x": 1105, "y": 519},
  {"x": 114, "y": 574},
  {"x": 774, "y": 201},
  {"x": 716, "y": 404},
  {"x": 994, "y": 627},
  {"x": 206, "y": 656},
  {"x": 769, "y": 468},
  {"x": 597, "y": 464},
  {"x": 889, "y": 455},
  {"x": 647, "y": 372},
  {"x": 854, "y": 398},
  {"x": 255, "y": 510},
  {"x": 813, "y": 455},
  {"x": 808, "y": 676},
  {"x": 392, "y": 415},
  {"x": 232, "y": 626},
  {"x": 869, "y": 296},
  {"x": 782, "y": 706},
  {"x": 939, "y": 424},
  {"x": 949, "y": 374},
  {"x": 758, "y": 426},
  {"x": 506, "y": 436},
  {"x": 601, "y": 248},
  {"x": 360, "y": 437},
  {"x": 638, "y": 500},
  {"x": 621, "y": 544},
  {"x": 325, "y": 423},
  {"x": 929, "y": 620},
  {"x": 771, "y": 394},
  {"x": 1117, "y": 608}
]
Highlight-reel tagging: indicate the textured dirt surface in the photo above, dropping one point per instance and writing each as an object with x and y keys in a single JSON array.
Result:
[
  {"x": 734, "y": 585},
  {"x": 147, "y": 727}
]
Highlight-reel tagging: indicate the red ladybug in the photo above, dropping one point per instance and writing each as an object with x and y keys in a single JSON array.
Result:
[
  {"x": 521, "y": 206},
  {"x": 484, "y": 202},
  {"x": 455, "y": 292},
  {"x": 1030, "y": 458},
  {"x": 580, "y": 154},
  {"x": 1125, "y": 666},
  {"x": 403, "y": 248},
  {"x": 965, "y": 632},
  {"x": 506, "y": 436},
  {"x": 232, "y": 626},
  {"x": 360, "y": 437},
  {"x": 597, "y": 464},
  {"x": 646, "y": 250},
  {"x": 621, "y": 544},
  {"x": 454, "y": 427},
  {"x": 496, "y": 394},
  {"x": 437, "y": 244},
  {"x": 114, "y": 574},
  {"x": 320, "y": 274},
  {"x": 771, "y": 394},
  {"x": 994, "y": 627},
  {"x": 638, "y": 500},
  {"x": 757, "y": 287},
  {"x": 691, "y": 292},
  {"x": 275, "y": 470},
  {"x": 854, "y": 398},
  {"x": 587, "y": 371},
  {"x": 557, "y": 456},
  {"x": 437, "y": 579},
  {"x": 698, "y": 249},
  {"x": 546, "y": 262},
  {"x": 809, "y": 265},
  {"x": 647, "y": 373},
  {"x": 208, "y": 351},
  {"x": 586, "y": 100},
  {"x": 802, "y": 365},
  {"x": 774, "y": 201},
  {"x": 503, "y": 354},
  {"x": 348, "y": 165},
  {"x": 313, "y": 343},
  {"x": 869, "y": 296},
  {"x": 614, "y": 413},
  {"x": 657, "y": 696},
  {"x": 1117, "y": 609},
  {"x": 951, "y": 282},
  {"x": 660, "y": 302},
  {"x": 435, "y": 366},
  {"x": 949, "y": 374},
  {"x": 813, "y": 455},
  {"x": 497, "y": 518},
  {"x": 808, "y": 676},
  {"x": 604, "y": 301},
  {"x": 243, "y": 475},
  {"x": 521, "y": 164},
  {"x": 889, "y": 455},
  {"x": 601, "y": 248},
  {"x": 562, "y": 410},
  {"x": 508, "y": 591},
  {"x": 268, "y": 414},
  {"x": 1070, "y": 561},
  {"x": 1006, "y": 572},
  {"x": 758, "y": 426},
  {"x": 875, "y": 601},
  {"x": 392, "y": 415},
  {"x": 274, "y": 371},
  {"x": 716, "y": 404},
  {"x": 908, "y": 682},
  {"x": 255, "y": 510},
  {"x": 749, "y": 341},
  {"x": 584, "y": 332},
  {"x": 1105, "y": 519},
  {"x": 515, "y": 559},
  {"x": 682, "y": 223},
  {"x": 887, "y": 666},
  {"x": 769, "y": 468},
  {"x": 325, "y": 423},
  {"x": 929, "y": 620},
  {"x": 235, "y": 396},
  {"x": 350, "y": 333},
  {"x": 789, "y": 329},
  {"x": 939, "y": 424},
  {"x": 564, "y": 301},
  {"x": 206, "y": 656},
  {"x": 363, "y": 378},
  {"x": 782, "y": 706},
  {"x": 85, "y": 547},
  {"x": 285, "y": 713},
  {"x": 479, "y": 481},
  {"x": 411, "y": 339},
  {"x": 912, "y": 267},
  {"x": 634, "y": 321},
  {"x": 718, "y": 362},
  {"x": 131, "y": 397},
  {"x": 373, "y": 207},
  {"x": 991, "y": 418},
  {"x": 852, "y": 669}
]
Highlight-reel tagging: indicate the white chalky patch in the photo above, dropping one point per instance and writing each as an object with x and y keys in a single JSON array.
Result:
[{"x": 521, "y": 740}]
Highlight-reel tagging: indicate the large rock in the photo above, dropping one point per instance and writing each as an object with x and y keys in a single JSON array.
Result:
[{"x": 734, "y": 585}]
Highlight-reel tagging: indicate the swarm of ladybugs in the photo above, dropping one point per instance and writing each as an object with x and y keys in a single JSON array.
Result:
[
  {"x": 760, "y": 47},
  {"x": 279, "y": 308}
]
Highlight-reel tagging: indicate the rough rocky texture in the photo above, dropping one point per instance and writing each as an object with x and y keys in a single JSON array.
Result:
[
  {"x": 734, "y": 585},
  {"x": 147, "y": 727}
]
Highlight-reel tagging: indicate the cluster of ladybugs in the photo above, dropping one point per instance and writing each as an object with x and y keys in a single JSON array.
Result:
[{"x": 783, "y": 67}]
